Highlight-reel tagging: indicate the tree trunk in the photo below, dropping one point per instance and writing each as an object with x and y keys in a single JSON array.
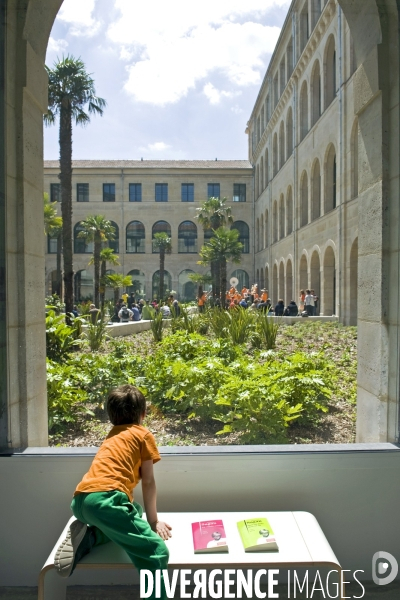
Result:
[
  {"x": 96, "y": 263},
  {"x": 102, "y": 284},
  {"x": 162, "y": 263},
  {"x": 219, "y": 290},
  {"x": 222, "y": 269},
  {"x": 116, "y": 295},
  {"x": 66, "y": 204},
  {"x": 58, "y": 266}
]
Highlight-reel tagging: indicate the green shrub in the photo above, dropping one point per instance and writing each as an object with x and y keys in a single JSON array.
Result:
[
  {"x": 65, "y": 396},
  {"x": 95, "y": 333},
  {"x": 156, "y": 325},
  {"x": 60, "y": 337},
  {"x": 267, "y": 329}
]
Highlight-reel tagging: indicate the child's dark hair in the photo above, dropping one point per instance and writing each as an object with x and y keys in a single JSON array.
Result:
[{"x": 125, "y": 405}]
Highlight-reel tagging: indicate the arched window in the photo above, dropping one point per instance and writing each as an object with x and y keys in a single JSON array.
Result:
[
  {"x": 83, "y": 286},
  {"x": 304, "y": 199},
  {"x": 187, "y": 238},
  {"x": 354, "y": 160},
  {"x": 289, "y": 133},
  {"x": 266, "y": 167},
  {"x": 266, "y": 230},
  {"x": 135, "y": 238},
  {"x": 303, "y": 111},
  {"x": 330, "y": 71},
  {"x": 330, "y": 179},
  {"x": 262, "y": 120},
  {"x": 114, "y": 244},
  {"x": 262, "y": 175},
  {"x": 156, "y": 283},
  {"x": 243, "y": 277},
  {"x": 275, "y": 222},
  {"x": 304, "y": 27},
  {"x": 281, "y": 217},
  {"x": 262, "y": 233},
  {"x": 289, "y": 211},
  {"x": 138, "y": 286},
  {"x": 244, "y": 236},
  {"x": 160, "y": 227},
  {"x": 282, "y": 76},
  {"x": 257, "y": 181},
  {"x": 80, "y": 245},
  {"x": 258, "y": 244},
  {"x": 186, "y": 288},
  {"x": 316, "y": 191},
  {"x": 275, "y": 154},
  {"x": 281, "y": 145},
  {"x": 316, "y": 108}
]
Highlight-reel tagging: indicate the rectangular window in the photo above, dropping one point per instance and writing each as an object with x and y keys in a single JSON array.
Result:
[
  {"x": 55, "y": 192},
  {"x": 135, "y": 192},
  {"x": 187, "y": 192},
  {"x": 161, "y": 192},
  {"x": 108, "y": 192},
  {"x": 82, "y": 192},
  {"x": 213, "y": 190},
  {"x": 239, "y": 192},
  {"x": 52, "y": 245}
]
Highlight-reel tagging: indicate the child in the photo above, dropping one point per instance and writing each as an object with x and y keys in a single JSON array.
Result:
[{"x": 103, "y": 500}]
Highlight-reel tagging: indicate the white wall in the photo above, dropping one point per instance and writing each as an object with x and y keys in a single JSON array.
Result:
[{"x": 353, "y": 490}]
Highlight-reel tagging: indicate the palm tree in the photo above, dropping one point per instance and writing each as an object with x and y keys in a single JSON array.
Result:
[
  {"x": 224, "y": 246},
  {"x": 162, "y": 241},
  {"x": 96, "y": 229},
  {"x": 116, "y": 281},
  {"x": 201, "y": 281},
  {"x": 107, "y": 255},
  {"x": 212, "y": 214},
  {"x": 53, "y": 228},
  {"x": 71, "y": 90}
]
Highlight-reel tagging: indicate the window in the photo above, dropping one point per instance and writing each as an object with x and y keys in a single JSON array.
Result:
[
  {"x": 135, "y": 192},
  {"x": 80, "y": 245},
  {"x": 135, "y": 238},
  {"x": 244, "y": 236},
  {"x": 187, "y": 238},
  {"x": 55, "y": 192},
  {"x": 239, "y": 192},
  {"x": 108, "y": 192},
  {"x": 82, "y": 192},
  {"x": 187, "y": 192},
  {"x": 213, "y": 190},
  {"x": 161, "y": 192},
  {"x": 160, "y": 227},
  {"x": 52, "y": 244},
  {"x": 114, "y": 244}
]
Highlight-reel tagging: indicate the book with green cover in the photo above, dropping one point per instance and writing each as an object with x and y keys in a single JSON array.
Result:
[{"x": 257, "y": 535}]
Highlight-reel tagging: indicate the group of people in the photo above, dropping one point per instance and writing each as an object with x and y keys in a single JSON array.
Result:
[
  {"x": 127, "y": 309},
  {"x": 309, "y": 302}
]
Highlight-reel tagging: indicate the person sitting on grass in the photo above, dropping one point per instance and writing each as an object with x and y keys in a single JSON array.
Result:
[{"x": 103, "y": 501}]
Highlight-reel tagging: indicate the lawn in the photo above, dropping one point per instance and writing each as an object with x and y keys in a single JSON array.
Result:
[{"x": 191, "y": 421}]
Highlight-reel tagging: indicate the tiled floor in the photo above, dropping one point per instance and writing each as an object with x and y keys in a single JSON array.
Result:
[{"x": 372, "y": 592}]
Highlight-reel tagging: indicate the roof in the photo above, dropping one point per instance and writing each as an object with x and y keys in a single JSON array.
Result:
[{"x": 151, "y": 164}]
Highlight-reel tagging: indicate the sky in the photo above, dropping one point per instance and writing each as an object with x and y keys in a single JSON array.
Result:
[{"x": 180, "y": 77}]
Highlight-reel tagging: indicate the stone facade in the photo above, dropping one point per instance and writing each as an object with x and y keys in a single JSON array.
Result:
[
  {"x": 303, "y": 140},
  {"x": 136, "y": 220}
]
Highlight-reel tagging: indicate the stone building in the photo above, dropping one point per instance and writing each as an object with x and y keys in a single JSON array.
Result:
[
  {"x": 303, "y": 143},
  {"x": 142, "y": 198}
]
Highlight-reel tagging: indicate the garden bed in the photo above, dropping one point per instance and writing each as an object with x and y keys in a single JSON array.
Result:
[{"x": 336, "y": 344}]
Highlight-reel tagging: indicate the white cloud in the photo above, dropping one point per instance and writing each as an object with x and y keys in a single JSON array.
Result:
[
  {"x": 57, "y": 46},
  {"x": 172, "y": 46},
  {"x": 214, "y": 95},
  {"x": 156, "y": 147},
  {"x": 78, "y": 13}
]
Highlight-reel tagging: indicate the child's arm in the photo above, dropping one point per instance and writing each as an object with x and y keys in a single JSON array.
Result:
[{"x": 150, "y": 501}]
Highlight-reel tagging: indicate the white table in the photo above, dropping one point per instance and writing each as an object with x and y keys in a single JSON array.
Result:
[{"x": 301, "y": 542}]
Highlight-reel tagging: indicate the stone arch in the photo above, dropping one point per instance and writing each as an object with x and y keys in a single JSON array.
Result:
[
  {"x": 267, "y": 277},
  {"x": 244, "y": 235},
  {"x": 289, "y": 133},
  {"x": 275, "y": 154},
  {"x": 266, "y": 230},
  {"x": 257, "y": 181},
  {"x": 354, "y": 159},
  {"x": 243, "y": 277},
  {"x": 262, "y": 185},
  {"x": 281, "y": 144},
  {"x": 281, "y": 281},
  {"x": 187, "y": 289},
  {"x": 275, "y": 222},
  {"x": 261, "y": 278},
  {"x": 315, "y": 272},
  {"x": 160, "y": 227},
  {"x": 266, "y": 162},
  {"x": 315, "y": 190},
  {"x": 353, "y": 308},
  {"x": 289, "y": 210},
  {"x": 258, "y": 244},
  {"x": 328, "y": 304},
  {"x": 138, "y": 286},
  {"x": 303, "y": 111},
  {"x": 289, "y": 281},
  {"x": 330, "y": 179},
  {"x": 303, "y": 199},
  {"x": 155, "y": 283},
  {"x": 83, "y": 285},
  {"x": 135, "y": 238},
  {"x": 303, "y": 271},
  {"x": 262, "y": 246},
  {"x": 275, "y": 283},
  {"x": 316, "y": 101},
  {"x": 187, "y": 238},
  {"x": 281, "y": 217},
  {"x": 330, "y": 78}
]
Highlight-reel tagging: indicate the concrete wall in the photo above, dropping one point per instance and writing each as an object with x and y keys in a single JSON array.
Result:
[{"x": 352, "y": 490}]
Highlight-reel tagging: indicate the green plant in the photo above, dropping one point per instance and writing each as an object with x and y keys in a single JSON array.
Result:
[
  {"x": 64, "y": 395},
  {"x": 156, "y": 325},
  {"x": 267, "y": 328},
  {"x": 60, "y": 337},
  {"x": 95, "y": 333}
]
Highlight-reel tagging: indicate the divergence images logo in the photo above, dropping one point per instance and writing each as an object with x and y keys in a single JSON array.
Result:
[{"x": 384, "y": 563}]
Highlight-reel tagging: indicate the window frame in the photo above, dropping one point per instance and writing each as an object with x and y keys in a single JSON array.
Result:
[
  {"x": 53, "y": 187},
  {"x": 189, "y": 192},
  {"x": 161, "y": 192},
  {"x": 239, "y": 195},
  {"x": 78, "y": 193},
  {"x": 109, "y": 193},
  {"x": 136, "y": 187},
  {"x": 213, "y": 195}
]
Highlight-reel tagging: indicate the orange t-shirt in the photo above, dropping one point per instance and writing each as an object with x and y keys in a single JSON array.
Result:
[
  {"x": 202, "y": 300},
  {"x": 264, "y": 296},
  {"x": 116, "y": 465}
]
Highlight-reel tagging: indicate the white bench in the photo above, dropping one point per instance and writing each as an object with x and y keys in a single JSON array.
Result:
[{"x": 302, "y": 544}]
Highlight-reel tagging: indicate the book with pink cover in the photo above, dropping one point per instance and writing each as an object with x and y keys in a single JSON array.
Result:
[{"x": 209, "y": 536}]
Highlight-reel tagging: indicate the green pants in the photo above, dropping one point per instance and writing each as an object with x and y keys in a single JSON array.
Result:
[{"x": 115, "y": 518}]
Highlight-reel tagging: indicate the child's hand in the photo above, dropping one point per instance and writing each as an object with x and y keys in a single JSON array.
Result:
[{"x": 163, "y": 530}]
